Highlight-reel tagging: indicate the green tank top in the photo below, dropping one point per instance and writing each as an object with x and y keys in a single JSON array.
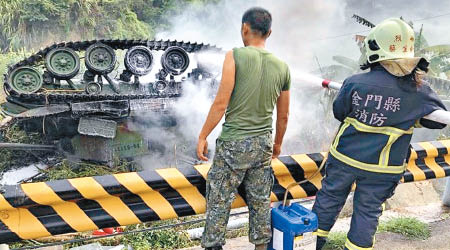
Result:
[{"x": 260, "y": 78}]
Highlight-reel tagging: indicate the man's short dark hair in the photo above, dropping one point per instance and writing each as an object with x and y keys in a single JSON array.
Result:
[{"x": 260, "y": 20}]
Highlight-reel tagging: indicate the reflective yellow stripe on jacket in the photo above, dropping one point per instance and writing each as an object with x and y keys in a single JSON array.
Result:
[{"x": 382, "y": 166}]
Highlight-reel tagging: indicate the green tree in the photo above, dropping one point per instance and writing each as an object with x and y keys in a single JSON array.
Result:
[{"x": 32, "y": 24}]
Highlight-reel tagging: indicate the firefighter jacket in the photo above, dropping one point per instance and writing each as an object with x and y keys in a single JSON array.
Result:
[{"x": 378, "y": 112}]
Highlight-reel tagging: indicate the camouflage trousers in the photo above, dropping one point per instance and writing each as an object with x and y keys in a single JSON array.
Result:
[{"x": 246, "y": 162}]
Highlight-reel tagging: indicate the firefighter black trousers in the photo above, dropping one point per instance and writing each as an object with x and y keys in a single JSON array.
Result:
[{"x": 372, "y": 190}]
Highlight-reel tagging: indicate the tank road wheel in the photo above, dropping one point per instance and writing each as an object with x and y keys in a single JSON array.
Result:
[
  {"x": 160, "y": 86},
  {"x": 93, "y": 88},
  {"x": 25, "y": 80},
  {"x": 139, "y": 60},
  {"x": 62, "y": 63},
  {"x": 100, "y": 58},
  {"x": 175, "y": 60}
]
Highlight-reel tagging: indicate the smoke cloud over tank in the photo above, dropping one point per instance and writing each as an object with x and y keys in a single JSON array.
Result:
[{"x": 306, "y": 34}]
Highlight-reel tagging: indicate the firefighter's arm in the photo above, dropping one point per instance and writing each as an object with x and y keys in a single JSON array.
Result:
[
  {"x": 282, "y": 120},
  {"x": 219, "y": 105},
  {"x": 342, "y": 104},
  {"x": 432, "y": 107}
]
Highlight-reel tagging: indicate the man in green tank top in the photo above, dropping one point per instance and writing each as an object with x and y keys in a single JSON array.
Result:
[{"x": 253, "y": 82}]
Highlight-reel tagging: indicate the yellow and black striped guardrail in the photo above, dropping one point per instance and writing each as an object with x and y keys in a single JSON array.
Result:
[{"x": 34, "y": 210}]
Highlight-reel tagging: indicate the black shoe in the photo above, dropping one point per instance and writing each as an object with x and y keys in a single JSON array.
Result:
[
  {"x": 320, "y": 242},
  {"x": 214, "y": 248}
]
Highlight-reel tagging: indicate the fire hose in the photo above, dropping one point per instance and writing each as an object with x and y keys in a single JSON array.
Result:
[{"x": 440, "y": 116}]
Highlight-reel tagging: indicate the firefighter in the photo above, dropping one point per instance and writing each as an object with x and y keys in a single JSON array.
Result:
[{"x": 378, "y": 111}]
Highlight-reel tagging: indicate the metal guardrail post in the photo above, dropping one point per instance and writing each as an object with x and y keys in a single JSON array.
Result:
[{"x": 446, "y": 196}]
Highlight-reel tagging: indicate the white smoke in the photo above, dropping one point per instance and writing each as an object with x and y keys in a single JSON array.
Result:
[
  {"x": 172, "y": 137},
  {"x": 295, "y": 29},
  {"x": 305, "y": 34},
  {"x": 296, "y": 25}
]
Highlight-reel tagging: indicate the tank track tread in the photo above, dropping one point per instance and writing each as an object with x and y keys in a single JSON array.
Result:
[{"x": 83, "y": 45}]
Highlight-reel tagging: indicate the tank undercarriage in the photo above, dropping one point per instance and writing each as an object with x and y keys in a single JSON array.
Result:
[{"x": 85, "y": 108}]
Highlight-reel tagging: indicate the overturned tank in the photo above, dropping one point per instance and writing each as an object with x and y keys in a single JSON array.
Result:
[{"x": 69, "y": 93}]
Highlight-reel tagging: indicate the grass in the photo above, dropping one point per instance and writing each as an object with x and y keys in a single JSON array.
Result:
[
  {"x": 336, "y": 241},
  {"x": 67, "y": 169},
  {"x": 238, "y": 232},
  {"x": 59, "y": 168},
  {"x": 173, "y": 238},
  {"x": 10, "y": 159},
  {"x": 409, "y": 227}
]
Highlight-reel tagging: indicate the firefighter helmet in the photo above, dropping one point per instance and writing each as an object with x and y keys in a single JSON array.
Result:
[{"x": 391, "y": 39}]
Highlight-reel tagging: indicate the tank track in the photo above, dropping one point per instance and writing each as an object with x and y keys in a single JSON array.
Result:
[{"x": 48, "y": 98}]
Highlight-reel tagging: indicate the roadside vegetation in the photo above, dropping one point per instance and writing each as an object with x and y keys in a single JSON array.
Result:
[
  {"x": 437, "y": 55},
  {"x": 163, "y": 239},
  {"x": 409, "y": 227},
  {"x": 9, "y": 158},
  {"x": 60, "y": 168},
  {"x": 336, "y": 241},
  {"x": 31, "y": 24}
]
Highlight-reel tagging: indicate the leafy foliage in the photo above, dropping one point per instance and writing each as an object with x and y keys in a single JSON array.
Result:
[
  {"x": 36, "y": 23},
  {"x": 7, "y": 59},
  {"x": 438, "y": 56}
]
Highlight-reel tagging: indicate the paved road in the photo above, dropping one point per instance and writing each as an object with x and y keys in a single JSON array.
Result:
[{"x": 439, "y": 240}]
